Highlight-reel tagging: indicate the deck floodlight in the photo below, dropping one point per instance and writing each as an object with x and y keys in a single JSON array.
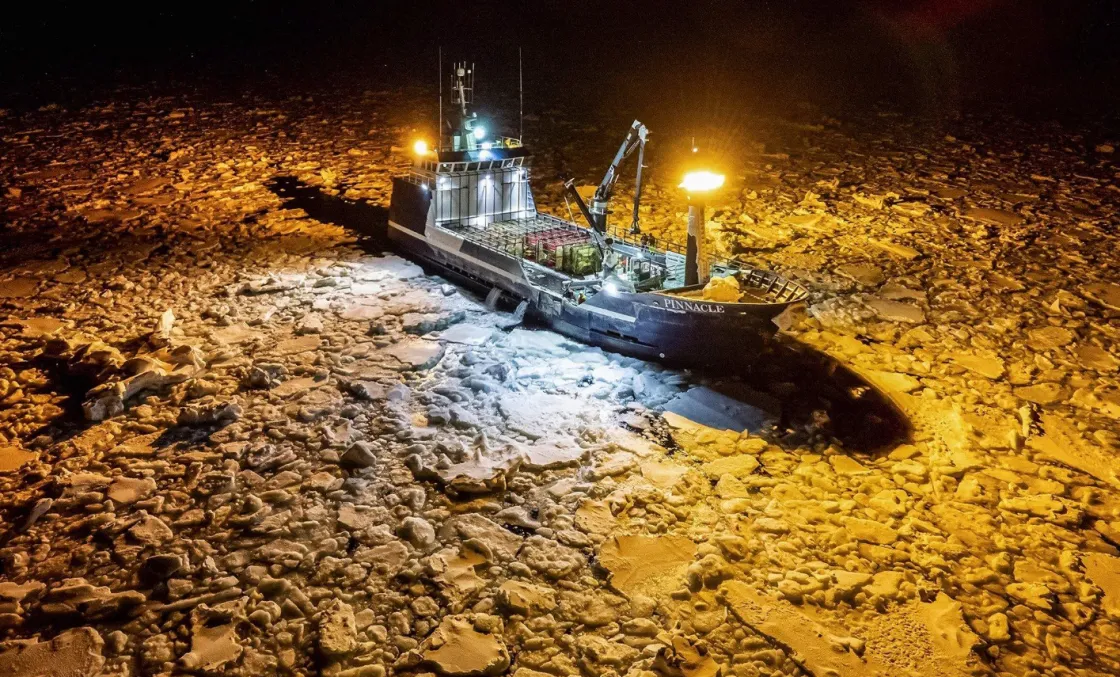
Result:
[
  {"x": 420, "y": 147},
  {"x": 702, "y": 181},
  {"x": 480, "y": 132}
]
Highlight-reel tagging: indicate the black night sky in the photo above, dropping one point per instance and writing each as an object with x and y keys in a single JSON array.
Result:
[{"x": 925, "y": 56}]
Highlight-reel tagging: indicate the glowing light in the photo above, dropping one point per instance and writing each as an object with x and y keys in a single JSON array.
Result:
[
  {"x": 700, "y": 182},
  {"x": 480, "y": 132},
  {"x": 487, "y": 145},
  {"x": 420, "y": 147},
  {"x": 610, "y": 287},
  {"x": 485, "y": 155}
]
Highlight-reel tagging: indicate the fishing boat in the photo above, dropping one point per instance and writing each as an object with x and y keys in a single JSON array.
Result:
[{"x": 466, "y": 208}]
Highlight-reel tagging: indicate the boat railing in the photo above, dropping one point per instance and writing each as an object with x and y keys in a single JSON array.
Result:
[
  {"x": 418, "y": 179},
  {"x": 437, "y": 167},
  {"x": 776, "y": 287},
  {"x": 623, "y": 236},
  {"x": 497, "y": 142}
]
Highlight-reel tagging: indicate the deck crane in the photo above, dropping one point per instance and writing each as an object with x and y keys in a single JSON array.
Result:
[{"x": 596, "y": 212}]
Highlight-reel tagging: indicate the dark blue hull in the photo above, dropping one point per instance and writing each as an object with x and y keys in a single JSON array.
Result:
[{"x": 636, "y": 325}]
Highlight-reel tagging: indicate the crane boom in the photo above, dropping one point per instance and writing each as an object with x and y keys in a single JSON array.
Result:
[{"x": 596, "y": 212}]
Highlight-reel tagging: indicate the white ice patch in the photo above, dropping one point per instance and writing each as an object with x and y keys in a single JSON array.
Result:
[
  {"x": 388, "y": 266},
  {"x": 530, "y": 341},
  {"x": 536, "y": 414},
  {"x": 467, "y": 334}
]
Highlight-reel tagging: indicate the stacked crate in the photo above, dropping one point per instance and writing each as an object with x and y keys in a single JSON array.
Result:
[
  {"x": 541, "y": 245},
  {"x": 578, "y": 258},
  {"x": 563, "y": 249},
  {"x": 507, "y": 237}
]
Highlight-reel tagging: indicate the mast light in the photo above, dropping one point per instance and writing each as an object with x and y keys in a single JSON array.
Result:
[{"x": 702, "y": 181}]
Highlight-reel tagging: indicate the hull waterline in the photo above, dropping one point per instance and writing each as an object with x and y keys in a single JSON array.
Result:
[{"x": 648, "y": 326}]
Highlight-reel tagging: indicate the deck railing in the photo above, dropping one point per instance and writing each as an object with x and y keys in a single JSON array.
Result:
[
  {"x": 778, "y": 288},
  {"x": 497, "y": 142}
]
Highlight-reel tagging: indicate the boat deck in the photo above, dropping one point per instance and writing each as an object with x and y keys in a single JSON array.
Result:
[
  {"x": 756, "y": 287},
  {"x": 510, "y": 237},
  {"x": 748, "y": 295}
]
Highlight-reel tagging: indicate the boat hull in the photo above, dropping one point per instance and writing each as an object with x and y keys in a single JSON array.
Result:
[
  {"x": 691, "y": 339},
  {"x": 646, "y": 326}
]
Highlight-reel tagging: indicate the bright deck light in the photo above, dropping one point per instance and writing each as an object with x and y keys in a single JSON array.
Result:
[
  {"x": 420, "y": 147},
  {"x": 700, "y": 182},
  {"x": 480, "y": 133}
]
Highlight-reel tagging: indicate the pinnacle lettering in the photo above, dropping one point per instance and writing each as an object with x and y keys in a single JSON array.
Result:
[{"x": 690, "y": 306}]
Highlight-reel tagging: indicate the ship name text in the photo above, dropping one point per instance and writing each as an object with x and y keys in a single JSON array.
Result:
[{"x": 692, "y": 307}]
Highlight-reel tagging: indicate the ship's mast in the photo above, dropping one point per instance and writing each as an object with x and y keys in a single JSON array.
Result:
[
  {"x": 520, "y": 99},
  {"x": 470, "y": 130},
  {"x": 439, "y": 130}
]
